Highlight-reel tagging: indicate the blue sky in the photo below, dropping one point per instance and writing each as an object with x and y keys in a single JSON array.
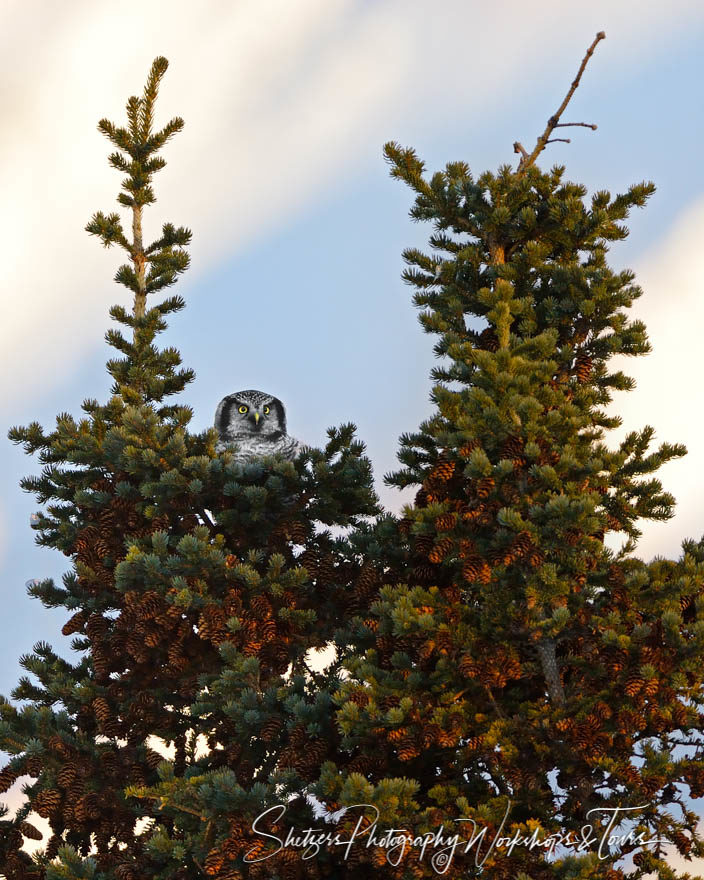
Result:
[{"x": 298, "y": 229}]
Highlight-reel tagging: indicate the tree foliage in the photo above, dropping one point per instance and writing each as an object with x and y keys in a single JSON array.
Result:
[
  {"x": 198, "y": 586},
  {"x": 499, "y": 669},
  {"x": 523, "y": 674}
]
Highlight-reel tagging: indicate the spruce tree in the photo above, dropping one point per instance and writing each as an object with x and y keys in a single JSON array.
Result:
[
  {"x": 197, "y": 587},
  {"x": 513, "y": 671}
]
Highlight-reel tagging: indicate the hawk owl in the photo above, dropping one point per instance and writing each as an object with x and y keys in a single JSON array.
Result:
[{"x": 254, "y": 423}]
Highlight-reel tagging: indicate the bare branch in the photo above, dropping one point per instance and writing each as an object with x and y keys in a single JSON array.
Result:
[
  {"x": 584, "y": 124},
  {"x": 519, "y": 148},
  {"x": 555, "y": 140},
  {"x": 554, "y": 121}
]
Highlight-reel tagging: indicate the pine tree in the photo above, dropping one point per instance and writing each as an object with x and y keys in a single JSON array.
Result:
[
  {"x": 198, "y": 586},
  {"x": 513, "y": 671}
]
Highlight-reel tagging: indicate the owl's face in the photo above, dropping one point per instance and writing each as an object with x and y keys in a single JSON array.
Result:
[{"x": 250, "y": 413}]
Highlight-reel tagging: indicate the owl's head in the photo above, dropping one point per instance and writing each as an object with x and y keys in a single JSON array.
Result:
[{"x": 247, "y": 413}]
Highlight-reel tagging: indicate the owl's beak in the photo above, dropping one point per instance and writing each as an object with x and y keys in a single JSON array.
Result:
[{"x": 256, "y": 418}]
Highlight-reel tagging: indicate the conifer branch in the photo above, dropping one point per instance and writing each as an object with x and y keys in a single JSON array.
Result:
[
  {"x": 554, "y": 121},
  {"x": 492, "y": 698}
]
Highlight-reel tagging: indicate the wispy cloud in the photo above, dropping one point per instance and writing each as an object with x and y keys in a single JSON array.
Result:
[
  {"x": 668, "y": 394},
  {"x": 280, "y": 99}
]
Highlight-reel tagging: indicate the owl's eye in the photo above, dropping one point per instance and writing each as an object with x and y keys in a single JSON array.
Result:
[
  {"x": 266, "y": 410},
  {"x": 243, "y": 409}
]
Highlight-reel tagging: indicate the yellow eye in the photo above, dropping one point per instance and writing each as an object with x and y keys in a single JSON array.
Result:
[
  {"x": 244, "y": 409},
  {"x": 266, "y": 410}
]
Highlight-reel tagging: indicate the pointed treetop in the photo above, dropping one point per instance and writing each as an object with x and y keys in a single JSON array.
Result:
[{"x": 157, "y": 265}]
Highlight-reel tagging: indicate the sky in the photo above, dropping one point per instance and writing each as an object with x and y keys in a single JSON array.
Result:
[{"x": 298, "y": 230}]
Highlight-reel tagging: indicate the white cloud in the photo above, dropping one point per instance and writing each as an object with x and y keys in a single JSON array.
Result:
[
  {"x": 668, "y": 394},
  {"x": 279, "y": 99}
]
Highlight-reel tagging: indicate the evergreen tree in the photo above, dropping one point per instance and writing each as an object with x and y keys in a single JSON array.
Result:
[
  {"x": 198, "y": 586},
  {"x": 513, "y": 671}
]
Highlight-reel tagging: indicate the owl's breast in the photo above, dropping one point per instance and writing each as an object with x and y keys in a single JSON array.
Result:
[{"x": 252, "y": 446}]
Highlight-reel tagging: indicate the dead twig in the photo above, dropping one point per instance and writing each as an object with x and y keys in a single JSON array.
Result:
[
  {"x": 554, "y": 121},
  {"x": 583, "y": 124}
]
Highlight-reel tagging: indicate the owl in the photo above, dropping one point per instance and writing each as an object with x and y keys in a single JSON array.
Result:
[{"x": 254, "y": 423}]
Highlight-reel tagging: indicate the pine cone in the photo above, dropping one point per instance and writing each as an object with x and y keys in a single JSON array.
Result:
[
  {"x": 309, "y": 560},
  {"x": 476, "y": 569},
  {"x": 47, "y": 802},
  {"x": 443, "y": 470},
  {"x": 34, "y": 764},
  {"x": 52, "y": 848},
  {"x": 101, "y": 707},
  {"x": 385, "y": 644},
  {"x": 58, "y": 746},
  {"x": 651, "y": 687},
  {"x": 536, "y": 558},
  {"x": 326, "y": 569},
  {"x": 28, "y": 830},
  {"x": 422, "y": 545},
  {"x": 214, "y": 862},
  {"x": 421, "y": 499},
  {"x": 153, "y": 638},
  {"x": 260, "y": 607},
  {"x": 634, "y": 683},
  {"x": 67, "y": 774},
  {"x": 271, "y": 729},
  {"x": 297, "y": 531},
  {"x": 8, "y": 778},
  {"x": 445, "y": 522},
  {"x": 212, "y": 624},
  {"x": 468, "y": 448},
  {"x": 96, "y": 626},
  {"x": 468, "y": 667},
  {"x": 74, "y": 624},
  {"x": 404, "y": 525},
  {"x": 485, "y": 487},
  {"x": 513, "y": 451},
  {"x": 440, "y": 550},
  {"x": 153, "y": 759},
  {"x": 474, "y": 743},
  {"x": 150, "y": 605},
  {"x": 583, "y": 367},
  {"x": 423, "y": 574},
  {"x": 267, "y": 629},
  {"x": 522, "y": 544},
  {"x": 408, "y": 750},
  {"x": 88, "y": 807},
  {"x": 176, "y": 658},
  {"x": 488, "y": 340},
  {"x": 136, "y": 648}
]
